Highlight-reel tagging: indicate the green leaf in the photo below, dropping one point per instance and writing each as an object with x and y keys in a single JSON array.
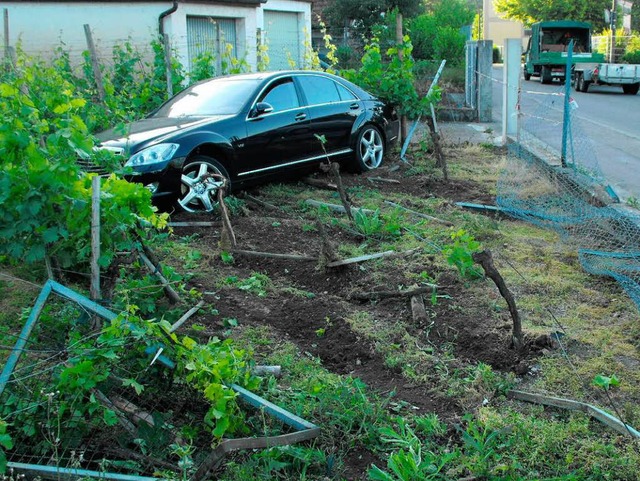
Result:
[
  {"x": 221, "y": 427},
  {"x": 134, "y": 384},
  {"x": 109, "y": 417},
  {"x": 7, "y": 90}
]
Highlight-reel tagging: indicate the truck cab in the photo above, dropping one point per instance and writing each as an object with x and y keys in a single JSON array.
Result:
[{"x": 546, "y": 54}]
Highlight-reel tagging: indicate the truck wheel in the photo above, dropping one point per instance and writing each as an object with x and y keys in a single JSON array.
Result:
[
  {"x": 583, "y": 86},
  {"x": 527, "y": 75},
  {"x": 631, "y": 89},
  {"x": 545, "y": 75}
]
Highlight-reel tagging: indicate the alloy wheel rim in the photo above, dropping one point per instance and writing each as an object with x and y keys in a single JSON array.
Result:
[
  {"x": 199, "y": 188},
  {"x": 371, "y": 148}
]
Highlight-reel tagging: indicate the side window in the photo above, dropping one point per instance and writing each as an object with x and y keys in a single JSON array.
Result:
[
  {"x": 282, "y": 96},
  {"x": 319, "y": 90},
  {"x": 345, "y": 94}
]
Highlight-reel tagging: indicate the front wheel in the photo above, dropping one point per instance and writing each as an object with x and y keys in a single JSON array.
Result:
[
  {"x": 201, "y": 178},
  {"x": 631, "y": 89},
  {"x": 369, "y": 149}
]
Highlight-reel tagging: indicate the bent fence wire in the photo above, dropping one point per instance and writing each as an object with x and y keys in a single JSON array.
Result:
[
  {"x": 569, "y": 193},
  {"x": 105, "y": 425}
]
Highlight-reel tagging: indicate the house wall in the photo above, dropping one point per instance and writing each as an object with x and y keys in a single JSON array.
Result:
[
  {"x": 42, "y": 26},
  {"x": 499, "y": 29}
]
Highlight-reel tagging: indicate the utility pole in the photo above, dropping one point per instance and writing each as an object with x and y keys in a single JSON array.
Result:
[{"x": 612, "y": 21}]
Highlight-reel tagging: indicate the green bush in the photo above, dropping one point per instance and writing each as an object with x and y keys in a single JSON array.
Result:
[
  {"x": 438, "y": 35},
  {"x": 497, "y": 55},
  {"x": 632, "y": 51}
]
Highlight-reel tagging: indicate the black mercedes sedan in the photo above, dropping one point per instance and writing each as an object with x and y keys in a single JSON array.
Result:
[{"x": 251, "y": 128}]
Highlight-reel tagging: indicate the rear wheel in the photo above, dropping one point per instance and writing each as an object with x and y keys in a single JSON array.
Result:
[
  {"x": 369, "y": 149},
  {"x": 545, "y": 75},
  {"x": 201, "y": 178},
  {"x": 527, "y": 75},
  {"x": 631, "y": 89},
  {"x": 583, "y": 85}
]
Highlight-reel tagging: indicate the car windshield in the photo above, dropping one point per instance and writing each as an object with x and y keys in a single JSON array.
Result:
[{"x": 218, "y": 97}]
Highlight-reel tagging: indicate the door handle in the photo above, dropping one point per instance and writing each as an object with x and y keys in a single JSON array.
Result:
[
  {"x": 354, "y": 106},
  {"x": 300, "y": 116}
]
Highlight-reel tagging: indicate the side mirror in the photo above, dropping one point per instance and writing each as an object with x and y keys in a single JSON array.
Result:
[{"x": 262, "y": 108}]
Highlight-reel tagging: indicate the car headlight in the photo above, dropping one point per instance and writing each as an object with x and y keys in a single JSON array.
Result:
[{"x": 156, "y": 154}]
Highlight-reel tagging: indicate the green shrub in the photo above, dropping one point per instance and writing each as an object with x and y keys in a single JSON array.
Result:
[{"x": 497, "y": 55}]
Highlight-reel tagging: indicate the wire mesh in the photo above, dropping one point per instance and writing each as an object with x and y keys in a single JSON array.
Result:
[
  {"x": 569, "y": 193},
  {"x": 97, "y": 421}
]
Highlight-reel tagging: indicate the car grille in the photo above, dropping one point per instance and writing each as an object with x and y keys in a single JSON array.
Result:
[{"x": 92, "y": 168}]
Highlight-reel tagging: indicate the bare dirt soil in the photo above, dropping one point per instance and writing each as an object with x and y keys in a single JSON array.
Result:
[{"x": 477, "y": 335}]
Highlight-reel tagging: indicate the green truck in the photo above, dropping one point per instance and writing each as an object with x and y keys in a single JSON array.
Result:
[
  {"x": 546, "y": 57},
  {"x": 546, "y": 54}
]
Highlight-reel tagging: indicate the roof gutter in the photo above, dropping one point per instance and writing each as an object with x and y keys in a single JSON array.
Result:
[{"x": 164, "y": 14}]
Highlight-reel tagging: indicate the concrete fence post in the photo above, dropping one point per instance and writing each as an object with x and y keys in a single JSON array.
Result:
[
  {"x": 485, "y": 80},
  {"x": 511, "y": 87},
  {"x": 470, "y": 81}
]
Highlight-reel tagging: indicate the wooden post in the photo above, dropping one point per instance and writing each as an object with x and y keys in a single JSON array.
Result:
[
  {"x": 9, "y": 53},
  {"x": 95, "y": 237},
  {"x": 218, "y": 51},
  {"x": 97, "y": 75},
  {"x": 167, "y": 63},
  {"x": 400, "y": 40},
  {"x": 6, "y": 34}
]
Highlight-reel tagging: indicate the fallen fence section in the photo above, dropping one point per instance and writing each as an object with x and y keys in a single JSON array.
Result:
[
  {"x": 305, "y": 431},
  {"x": 596, "y": 413},
  {"x": 22, "y": 459}
]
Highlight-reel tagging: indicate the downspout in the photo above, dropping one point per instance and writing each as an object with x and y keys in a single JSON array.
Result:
[{"x": 164, "y": 14}]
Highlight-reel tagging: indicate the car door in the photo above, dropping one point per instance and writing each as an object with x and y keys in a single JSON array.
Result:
[
  {"x": 333, "y": 109},
  {"x": 279, "y": 137}
]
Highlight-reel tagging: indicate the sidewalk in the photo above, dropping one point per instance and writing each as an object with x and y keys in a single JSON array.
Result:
[{"x": 471, "y": 132}]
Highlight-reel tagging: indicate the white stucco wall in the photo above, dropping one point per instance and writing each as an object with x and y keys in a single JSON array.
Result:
[
  {"x": 302, "y": 8},
  {"x": 43, "y": 26}
]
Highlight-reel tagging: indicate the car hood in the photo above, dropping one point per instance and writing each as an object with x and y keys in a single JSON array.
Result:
[{"x": 134, "y": 136}]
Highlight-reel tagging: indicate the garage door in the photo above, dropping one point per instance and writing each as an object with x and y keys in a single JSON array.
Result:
[
  {"x": 284, "y": 39},
  {"x": 210, "y": 35}
]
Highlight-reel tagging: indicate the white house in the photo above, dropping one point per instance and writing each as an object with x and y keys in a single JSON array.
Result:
[{"x": 193, "y": 26}]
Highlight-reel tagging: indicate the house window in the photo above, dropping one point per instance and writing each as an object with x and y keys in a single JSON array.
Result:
[{"x": 209, "y": 37}]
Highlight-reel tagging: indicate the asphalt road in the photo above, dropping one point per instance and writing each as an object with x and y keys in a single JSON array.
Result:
[{"x": 610, "y": 120}]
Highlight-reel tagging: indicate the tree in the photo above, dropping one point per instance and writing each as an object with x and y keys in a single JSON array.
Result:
[
  {"x": 437, "y": 35},
  {"x": 361, "y": 15},
  {"x": 635, "y": 15},
  {"x": 531, "y": 11}
]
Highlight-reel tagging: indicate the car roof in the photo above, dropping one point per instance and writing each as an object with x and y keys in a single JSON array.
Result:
[{"x": 265, "y": 76}]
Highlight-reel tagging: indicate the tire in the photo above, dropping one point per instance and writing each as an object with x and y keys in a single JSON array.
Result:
[
  {"x": 200, "y": 182},
  {"x": 583, "y": 86},
  {"x": 631, "y": 89},
  {"x": 545, "y": 75},
  {"x": 527, "y": 75},
  {"x": 370, "y": 149}
]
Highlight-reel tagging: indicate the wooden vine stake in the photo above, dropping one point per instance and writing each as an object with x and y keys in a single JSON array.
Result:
[
  {"x": 344, "y": 197},
  {"x": 95, "y": 238},
  {"x": 328, "y": 252},
  {"x": 227, "y": 236},
  {"x": 97, "y": 74},
  {"x": 485, "y": 259},
  {"x": 441, "y": 161}
]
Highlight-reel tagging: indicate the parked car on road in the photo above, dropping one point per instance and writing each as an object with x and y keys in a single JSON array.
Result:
[{"x": 251, "y": 128}]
